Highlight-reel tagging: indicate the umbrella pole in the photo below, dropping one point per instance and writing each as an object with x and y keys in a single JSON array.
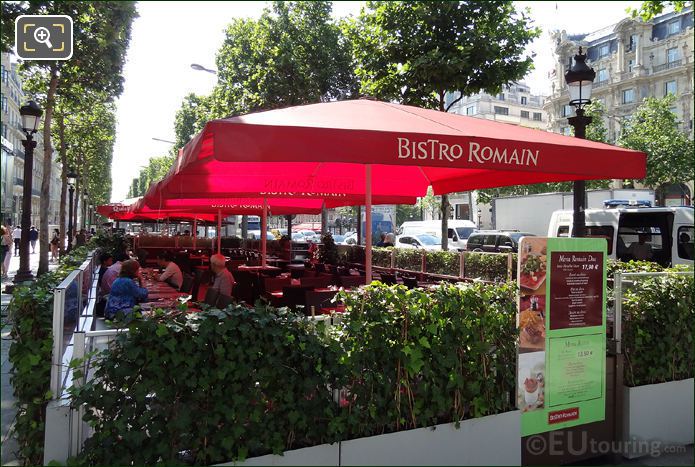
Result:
[
  {"x": 368, "y": 226},
  {"x": 219, "y": 231},
  {"x": 264, "y": 228},
  {"x": 195, "y": 232}
]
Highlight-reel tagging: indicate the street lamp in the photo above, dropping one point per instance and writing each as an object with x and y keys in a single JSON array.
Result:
[
  {"x": 480, "y": 215},
  {"x": 85, "y": 197},
  {"x": 31, "y": 117},
  {"x": 580, "y": 79},
  {"x": 197, "y": 67},
  {"x": 72, "y": 179}
]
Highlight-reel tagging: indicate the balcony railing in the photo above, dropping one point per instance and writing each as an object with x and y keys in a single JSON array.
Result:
[
  {"x": 667, "y": 65},
  {"x": 598, "y": 84},
  {"x": 19, "y": 153},
  {"x": 18, "y": 181}
]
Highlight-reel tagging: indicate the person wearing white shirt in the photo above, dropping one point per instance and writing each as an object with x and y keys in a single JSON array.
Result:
[
  {"x": 224, "y": 281},
  {"x": 172, "y": 274},
  {"x": 16, "y": 236},
  {"x": 112, "y": 273}
]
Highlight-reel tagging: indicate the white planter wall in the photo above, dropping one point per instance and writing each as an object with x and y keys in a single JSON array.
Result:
[
  {"x": 493, "y": 440},
  {"x": 658, "y": 412},
  {"x": 324, "y": 454}
]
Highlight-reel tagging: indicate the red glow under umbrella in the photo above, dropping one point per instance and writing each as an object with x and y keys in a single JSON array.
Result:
[{"x": 368, "y": 148}]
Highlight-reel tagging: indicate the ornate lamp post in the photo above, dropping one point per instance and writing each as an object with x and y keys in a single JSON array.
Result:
[
  {"x": 72, "y": 179},
  {"x": 85, "y": 197},
  {"x": 31, "y": 117},
  {"x": 580, "y": 79},
  {"x": 480, "y": 215}
]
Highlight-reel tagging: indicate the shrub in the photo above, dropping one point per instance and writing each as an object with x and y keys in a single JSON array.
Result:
[
  {"x": 658, "y": 328},
  {"x": 410, "y": 259},
  {"x": 443, "y": 262},
  {"x": 381, "y": 257},
  {"x": 486, "y": 266},
  {"x": 31, "y": 311},
  {"x": 218, "y": 384},
  {"x": 328, "y": 250},
  {"x": 416, "y": 358}
]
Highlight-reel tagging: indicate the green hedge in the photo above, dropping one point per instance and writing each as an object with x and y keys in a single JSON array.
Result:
[
  {"x": 658, "y": 328},
  {"x": 224, "y": 385},
  {"x": 219, "y": 384},
  {"x": 31, "y": 313},
  {"x": 410, "y": 259},
  {"x": 416, "y": 358}
]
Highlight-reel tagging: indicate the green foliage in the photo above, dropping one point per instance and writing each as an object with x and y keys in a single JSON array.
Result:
[
  {"x": 416, "y": 358},
  {"x": 410, "y": 259},
  {"x": 328, "y": 250},
  {"x": 443, "y": 262},
  {"x": 414, "y": 52},
  {"x": 381, "y": 257},
  {"x": 651, "y": 8},
  {"x": 31, "y": 312},
  {"x": 406, "y": 212},
  {"x": 653, "y": 129},
  {"x": 658, "y": 329},
  {"x": 490, "y": 267},
  {"x": 157, "y": 168},
  {"x": 294, "y": 54},
  {"x": 268, "y": 395},
  {"x": 194, "y": 112}
]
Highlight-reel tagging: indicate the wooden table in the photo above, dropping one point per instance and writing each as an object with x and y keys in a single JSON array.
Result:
[
  {"x": 244, "y": 267},
  {"x": 159, "y": 293}
]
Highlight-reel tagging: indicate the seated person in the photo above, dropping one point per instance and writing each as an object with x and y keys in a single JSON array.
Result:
[
  {"x": 224, "y": 281},
  {"x": 641, "y": 250},
  {"x": 126, "y": 291},
  {"x": 172, "y": 274},
  {"x": 685, "y": 246},
  {"x": 105, "y": 261},
  {"x": 111, "y": 274},
  {"x": 389, "y": 240}
]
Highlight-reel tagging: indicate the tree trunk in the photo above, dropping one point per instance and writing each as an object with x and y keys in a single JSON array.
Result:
[
  {"x": 63, "y": 184},
  {"x": 44, "y": 239}
]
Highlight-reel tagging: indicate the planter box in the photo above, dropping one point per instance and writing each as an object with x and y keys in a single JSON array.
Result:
[
  {"x": 658, "y": 412},
  {"x": 324, "y": 454},
  {"x": 493, "y": 440}
]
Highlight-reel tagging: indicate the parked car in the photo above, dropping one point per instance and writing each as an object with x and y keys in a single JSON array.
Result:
[
  {"x": 351, "y": 239},
  {"x": 424, "y": 241},
  {"x": 495, "y": 241},
  {"x": 298, "y": 237},
  {"x": 339, "y": 239},
  {"x": 458, "y": 230}
]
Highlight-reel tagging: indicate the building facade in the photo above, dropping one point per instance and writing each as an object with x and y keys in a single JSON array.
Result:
[
  {"x": 12, "y": 162},
  {"x": 633, "y": 60}
]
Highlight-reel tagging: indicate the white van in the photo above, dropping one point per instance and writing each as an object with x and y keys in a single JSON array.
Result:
[
  {"x": 667, "y": 232},
  {"x": 458, "y": 231}
]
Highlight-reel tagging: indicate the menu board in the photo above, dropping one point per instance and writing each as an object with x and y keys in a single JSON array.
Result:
[{"x": 562, "y": 332}]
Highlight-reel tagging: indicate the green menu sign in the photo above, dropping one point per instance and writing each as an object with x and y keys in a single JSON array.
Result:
[{"x": 562, "y": 332}]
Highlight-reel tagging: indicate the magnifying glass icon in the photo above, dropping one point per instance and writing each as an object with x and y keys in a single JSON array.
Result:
[{"x": 43, "y": 36}]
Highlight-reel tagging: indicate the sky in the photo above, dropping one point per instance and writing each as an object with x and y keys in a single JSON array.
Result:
[{"x": 168, "y": 37}]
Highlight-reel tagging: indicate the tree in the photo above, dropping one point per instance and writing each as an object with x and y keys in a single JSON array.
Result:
[
  {"x": 415, "y": 52},
  {"x": 654, "y": 129},
  {"x": 595, "y": 131},
  {"x": 191, "y": 117},
  {"x": 156, "y": 169},
  {"x": 101, "y": 32},
  {"x": 294, "y": 54},
  {"x": 651, "y": 8},
  {"x": 407, "y": 212}
]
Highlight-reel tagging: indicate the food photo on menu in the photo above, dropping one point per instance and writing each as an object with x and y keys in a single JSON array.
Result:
[
  {"x": 531, "y": 383},
  {"x": 533, "y": 263},
  {"x": 532, "y": 323}
]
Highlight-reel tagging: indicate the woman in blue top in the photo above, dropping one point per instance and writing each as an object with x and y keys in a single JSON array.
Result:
[{"x": 126, "y": 291}]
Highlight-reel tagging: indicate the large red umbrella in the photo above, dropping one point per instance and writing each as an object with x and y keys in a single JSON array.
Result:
[{"x": 366, "y": 148}]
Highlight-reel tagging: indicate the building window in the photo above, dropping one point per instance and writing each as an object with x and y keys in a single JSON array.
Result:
[
  {"x": 602, "y": 75},
  {"x": 672, "y": 54},
  {"x": 670, "y": 88},
  {"x": 565, "y": 130},
  {"x": 500, "y": 96},
  {"x": 524, "y": 100},
  {"x": 633, "y": 43},
  {"x": 628, "y": 96},
  {"x": 537, "y": 116},
  {"x": 524, "y": 114},
  {"x": 470, "y": 110},
  {"x": 674, "y": 27},
  {"x": 566, "y": 110},
  {"x": 603, "y": 50},
  {"x": 630, "y": 64},
  {"x": 4, "y": 102},
  {"x": 501, "y": 110}
]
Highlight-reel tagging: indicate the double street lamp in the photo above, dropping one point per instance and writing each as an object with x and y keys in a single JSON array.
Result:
[
  {"x": 580, "y": 79},
  {"x": 72, "y": 179},
  {"x": 31, "y": 117}
]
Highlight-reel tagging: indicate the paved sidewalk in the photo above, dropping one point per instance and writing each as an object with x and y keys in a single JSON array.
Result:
[{"x": 9, "y": 444}]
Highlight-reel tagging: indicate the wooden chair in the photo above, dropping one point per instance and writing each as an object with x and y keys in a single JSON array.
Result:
[
  {"x": 318, "y": 299},
  {"x": 316, "y": 282},
  {"x": 410, "y": 282},
  {"x": 274, "y": 284},
  {"x": 211, "y": 296},
  {"x": 223, "y": 301},
  {"x": 388, "y": 279},
  {"x": 294, "y": 296},
  {"x": 351, "y": 281}
]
